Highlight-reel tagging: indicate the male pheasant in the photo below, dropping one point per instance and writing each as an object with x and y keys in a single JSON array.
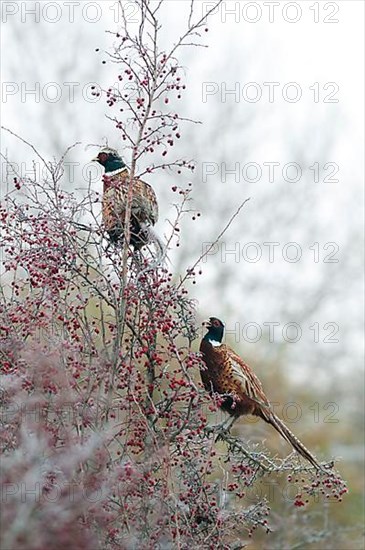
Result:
[
  {"x": 227, "y": 375},
  {"x": 144, "y": 208}
]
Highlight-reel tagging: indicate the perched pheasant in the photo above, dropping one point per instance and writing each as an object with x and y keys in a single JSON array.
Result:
[
  {"x": 227, "y": 375},
  {"x": 144, "y": 210}
]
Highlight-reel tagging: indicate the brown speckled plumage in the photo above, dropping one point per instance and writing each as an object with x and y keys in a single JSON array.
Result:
[
  {"x": 144, "y": 207},
  {"x": 229, "y": 376}
]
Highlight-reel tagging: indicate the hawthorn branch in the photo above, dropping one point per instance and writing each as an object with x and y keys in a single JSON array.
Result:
[{"x": 212, "y": 245}]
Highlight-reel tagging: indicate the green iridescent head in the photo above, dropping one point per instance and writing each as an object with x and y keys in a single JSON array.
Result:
[{"x": 110, "y": 159}]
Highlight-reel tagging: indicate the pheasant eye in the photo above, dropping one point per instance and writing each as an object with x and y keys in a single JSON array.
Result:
[{"x": 102, "y": 157}]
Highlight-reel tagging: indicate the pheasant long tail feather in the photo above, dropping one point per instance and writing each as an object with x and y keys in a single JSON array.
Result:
[
  {"x": 151, "y": 237},
  {"x": 292, "y": 439},
  {"x": 154, "y": 239}
]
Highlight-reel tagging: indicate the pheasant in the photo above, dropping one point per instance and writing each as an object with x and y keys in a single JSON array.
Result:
[
  {"x": 144, "y": 208},
  {"x": 228, "y": 375}
]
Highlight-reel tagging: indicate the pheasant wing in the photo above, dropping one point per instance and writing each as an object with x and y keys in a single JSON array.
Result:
[
  {"x": 244, "y": 378},
  {"x": 144, "y": 206}
]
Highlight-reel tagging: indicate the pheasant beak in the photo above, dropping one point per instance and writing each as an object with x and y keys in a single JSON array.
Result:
[
  {"x": 206, "y": 323},
  {"x": 96, "y": 159}
]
